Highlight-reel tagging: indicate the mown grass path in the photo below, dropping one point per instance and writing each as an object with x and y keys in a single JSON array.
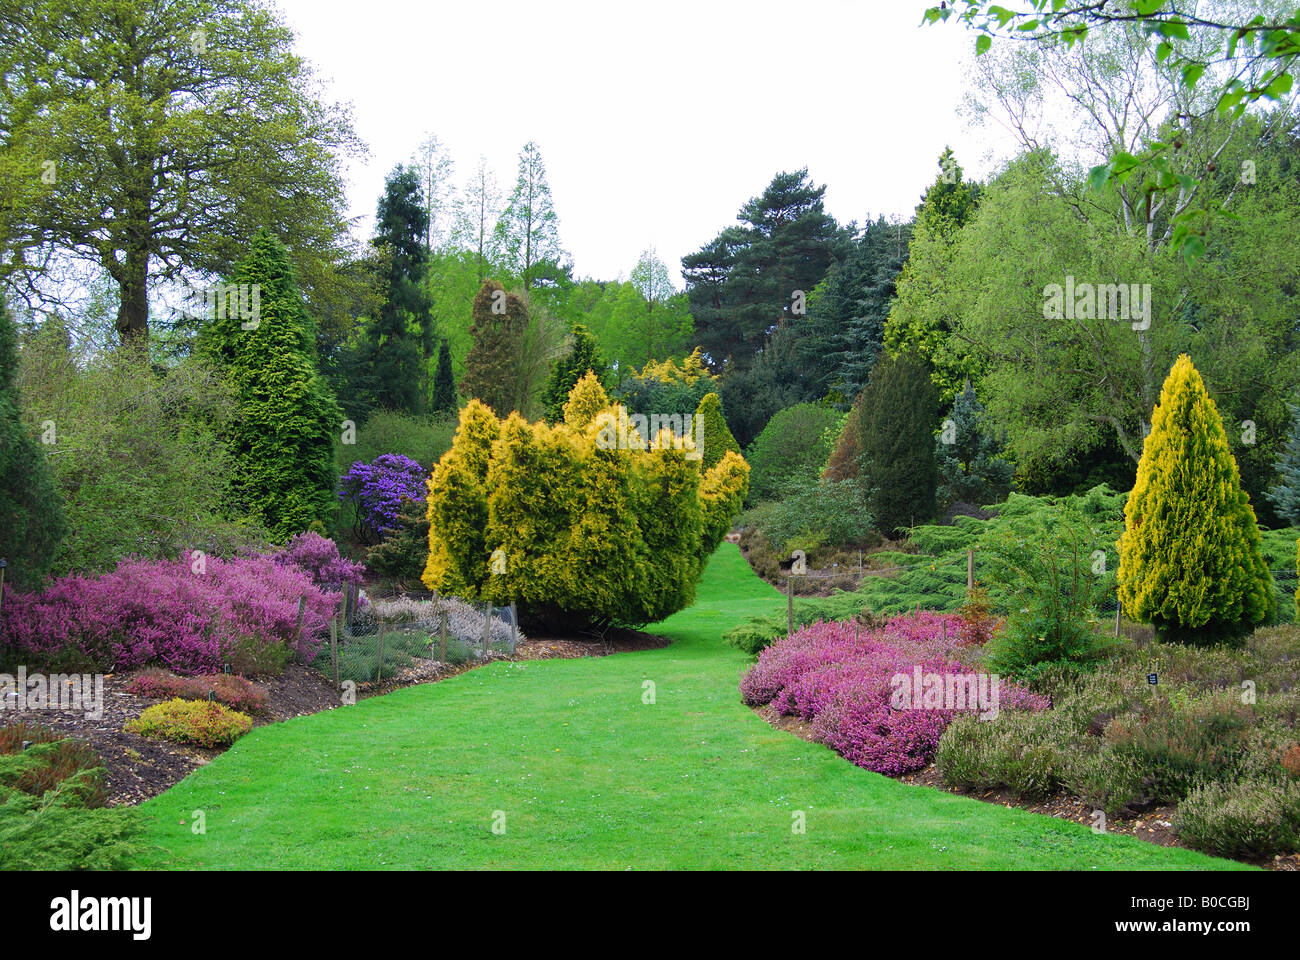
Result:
[{"x": 583, "y": 774}]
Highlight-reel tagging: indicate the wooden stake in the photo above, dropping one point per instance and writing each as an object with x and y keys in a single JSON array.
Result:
[
  {"x": 487, "y": 629},
  {"x": 297, "y": 630},
  {"x": 789, "y": 605},
  {"x": 1119, "y": 608},
  {"x": 514, "y": 627},
  {"x": 334, "y": 648},
  {"x": 442, "y": 635},
  {"x": 379, "y": 657},
  {"x": 970, "y": 568}
]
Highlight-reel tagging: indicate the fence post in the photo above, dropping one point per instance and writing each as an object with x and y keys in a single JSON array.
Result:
[
  {"x": 379, "y": 656},
  {"x": 970, "y": 568},
  {"x": 297, "y": 630},
  {"x": 487, "y": 629},
  {"x": 789, "y": 605},
  {"x": 442, "y": 636},
  {"x": 3, "y": 564},
  {"x": 334, "y": 647},
  {"x": 1119, "y": 608},
  {"x": 514, "y": 627}
]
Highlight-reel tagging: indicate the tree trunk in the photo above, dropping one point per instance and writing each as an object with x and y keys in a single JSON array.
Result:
[{"x": 133, "y": 284}]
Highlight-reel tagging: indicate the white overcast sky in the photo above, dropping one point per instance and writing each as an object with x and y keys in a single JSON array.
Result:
[{"x": 656, "y": 120}]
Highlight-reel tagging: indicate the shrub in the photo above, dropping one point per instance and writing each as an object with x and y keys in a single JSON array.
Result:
[
  {"x": 136, "y": 454},
  {"x": 717, "y": 437},
  {"x": 32, "y": 523},
  {"x": 403, "y": 552},
  {"x": 422, "y": 439},
  {"x": 969, "y": 457},
  {"x": 843, "y": 681},
  {"x": 242, "y": 611},
  {"x": 375, "y": 492},
  {"x": 580, "y": 358},
  {"x": 1045, "y": 568},
  {"x": 670, "y": 387},
  {"x": 46, "y": 766},
  {"x": 791, "y": 450},
  {"x": 758, "y": 632},
  {"x": 197, "y": 722},
  {"x": 1253, "y": 818},
  {"x": 51, "y": 806},
  {"x": 1190, "y": 560},
  {"x": 236, "y": 692},
  {"x": 588, "y": 523},
  {"x": 319, "y": 558}
]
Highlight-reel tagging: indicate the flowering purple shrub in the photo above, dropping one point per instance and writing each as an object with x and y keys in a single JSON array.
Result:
[
  {"x": 844, "y": 684},
  {"x": 319, "y": 558},
  {"x": 242, "y": 611},
  {"x": 376, "y": 490}
]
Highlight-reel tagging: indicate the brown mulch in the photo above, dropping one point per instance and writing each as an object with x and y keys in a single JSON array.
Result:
[
  {"x": 139, "y": 768},
  {"x": 1153, "y": 826}
]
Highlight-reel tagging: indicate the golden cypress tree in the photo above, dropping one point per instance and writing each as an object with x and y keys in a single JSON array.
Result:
[
  {"x": 458, "y": 506},
  {"x": 1190, "y": 559},
  {"x": 586, "y": 399}
]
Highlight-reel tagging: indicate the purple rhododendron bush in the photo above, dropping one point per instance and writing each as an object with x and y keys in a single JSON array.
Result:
[
  {"x": 187, "y": 616},
  {"x": 843, "y": 681}
]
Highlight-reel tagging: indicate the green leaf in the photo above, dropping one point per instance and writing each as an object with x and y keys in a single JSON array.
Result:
[
  {"x": 1163, "y": 50},
  {"x": 1191, "y": 73},
  {"x": 982, "y": 44},
  {"x": 1098, "y": 176}
]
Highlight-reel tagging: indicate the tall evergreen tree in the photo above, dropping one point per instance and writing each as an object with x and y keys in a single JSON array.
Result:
[
  {"x": 1190, "y": 559},
  {"x": 717, "y": 438},
  {"x": 749, "y": 279},
  {"x": 444, "y": 383},
  {"x": 1285, "y": 496},
  {"x": 971, "y": 468},
  {"x": 283, "y": 435},
  {"x": 493, "y": 366},
  {"x": 582, "y": 357},
  {"x": 528, "y": 232},
  {"x": 400, "y": 340},
  {"x": 899, "y": 409},
  {"x": 32, "y": 522}
]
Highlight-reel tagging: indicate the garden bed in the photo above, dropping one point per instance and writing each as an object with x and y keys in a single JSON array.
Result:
[{"x": 140, "y": 767}]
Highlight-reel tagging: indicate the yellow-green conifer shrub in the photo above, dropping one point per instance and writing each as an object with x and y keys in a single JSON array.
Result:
[
  {"x": 717, "y": 438},
  {"x": 458, "y": 506},
  {"x": 583, "y": 530},
  {"x": 1190, "y": 559}
]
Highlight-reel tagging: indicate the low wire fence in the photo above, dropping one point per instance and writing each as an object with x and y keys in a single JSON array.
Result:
[{"x": 371, "y": 638}]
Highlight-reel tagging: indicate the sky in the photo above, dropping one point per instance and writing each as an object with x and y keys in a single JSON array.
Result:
[{"x": 656, "y": 121}]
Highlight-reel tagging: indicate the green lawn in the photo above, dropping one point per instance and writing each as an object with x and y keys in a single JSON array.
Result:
[{"x": 587, "y": 775}]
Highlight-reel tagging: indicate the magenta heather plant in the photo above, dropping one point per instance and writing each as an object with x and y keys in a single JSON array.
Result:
[
  {"x": 165, "y": 613},
  {"x": 844, "y": 684},
  {"x": 319, "y": 557}
]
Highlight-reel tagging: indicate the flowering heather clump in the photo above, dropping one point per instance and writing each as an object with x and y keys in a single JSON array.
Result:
[
  {"x": 319, "y": 558},
  {"x": 238, "y": 693},
  {"x": 376, "y": 490},
  {"x": 844, "y": 685},
  {"x": 163, "y": 612}
]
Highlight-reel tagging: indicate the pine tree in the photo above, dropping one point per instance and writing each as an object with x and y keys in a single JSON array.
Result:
[
  {"x": 399, "y": 358},
  {"x": 444, "y": 383},
  {"x": 583, "y": 357},
  {"x": 493, "y": 365},
  {"x": 971, "y": 469},
  {"x": 32, "y": 523},
  {"x": 1190, "y": 559},
  {"x": 899, "y": 409},
  {"x": 1285, "y": 497},
  {"x": 283, "y": 435},
  {"x": 716, "y": 437}
]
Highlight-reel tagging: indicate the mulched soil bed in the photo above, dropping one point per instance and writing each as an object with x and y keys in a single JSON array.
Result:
[
  {"x": 139, "y": 768},
  {"x": 1154, "y": 826}
]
